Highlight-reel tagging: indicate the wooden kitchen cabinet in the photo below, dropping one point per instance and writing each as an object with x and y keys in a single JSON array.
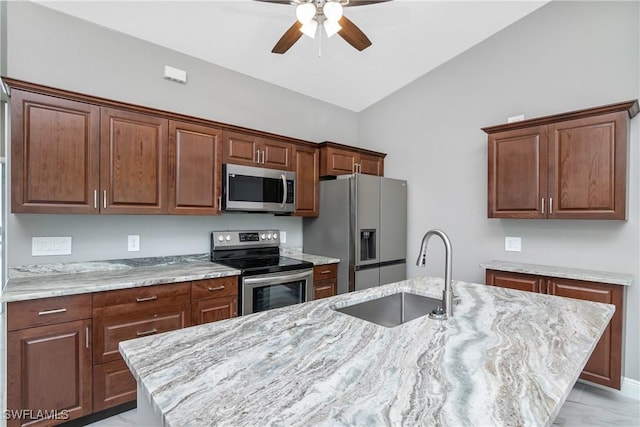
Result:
[
  {"x": 214, "y": 299},
  {"x": 252, "y": 150},
  {"x": 306, "y": 162},
  {"x": 49, "y": 359},
  {"x": 125, "y": 314},
  {"x": 605, "y": 364},
  {"x": 195, "y": 169},
  {"x": 133, "y": 162},
  {"x": 337, "y": 159},
  {"x": 55, "y": 147},
  {"x": 325, "y": 281},
  {"x": 567, "y": 166}
]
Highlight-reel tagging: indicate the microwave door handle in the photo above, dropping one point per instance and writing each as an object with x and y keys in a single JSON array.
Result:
[{"x": 284, "y": 190}]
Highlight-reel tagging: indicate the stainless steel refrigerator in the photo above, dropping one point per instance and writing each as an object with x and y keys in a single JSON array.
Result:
[{"x": 363, "y": 222}]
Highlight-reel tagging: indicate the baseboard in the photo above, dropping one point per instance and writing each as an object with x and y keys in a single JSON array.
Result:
[{"x": 629, "y": 388}]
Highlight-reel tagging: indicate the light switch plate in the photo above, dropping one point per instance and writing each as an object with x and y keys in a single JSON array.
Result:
[
  {"x": 133, "y": 243},
  {"x": 513, "y": 244},
  {"x": 43, "y": 246}
]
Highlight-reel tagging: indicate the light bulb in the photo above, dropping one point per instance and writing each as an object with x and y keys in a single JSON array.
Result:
[
  {"x": 332, "y": 10},
  {"x": 331, "y": 27},
  {"x": 310, "y": 28},
  {"x": 305, "y": 12}
]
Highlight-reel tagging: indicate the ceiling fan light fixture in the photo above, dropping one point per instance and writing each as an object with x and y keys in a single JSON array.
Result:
[
  {"x": 305, "y": 12},
  {"x": 332, "y": 10},
  {"x": 310, "y": 28},
  {"x": 331, "y": 27}
]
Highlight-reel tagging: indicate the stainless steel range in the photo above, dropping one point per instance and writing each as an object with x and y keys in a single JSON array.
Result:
[{"x": 267, "y": 279}]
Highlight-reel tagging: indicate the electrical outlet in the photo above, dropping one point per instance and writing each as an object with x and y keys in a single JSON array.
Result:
[
  {"x": 41, "y": 246},
  {"x": 133, "y": 243},
  {"x": 283, "y": 237},
  {"x": 513, "y": 244}
]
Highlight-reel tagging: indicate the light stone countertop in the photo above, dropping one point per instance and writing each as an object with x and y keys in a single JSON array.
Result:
[
  {"x": 51, "y": 280},
  {"x": 562, "y": 272},
  {"x": 505, "y": 358}
]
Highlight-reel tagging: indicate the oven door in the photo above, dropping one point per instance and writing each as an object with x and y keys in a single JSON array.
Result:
[
  {"x": 248, "y": 188},
  {"x": 268, "y": 291}
]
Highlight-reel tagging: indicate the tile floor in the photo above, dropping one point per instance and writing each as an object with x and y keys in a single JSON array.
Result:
[{"x": 585, "y": 406}]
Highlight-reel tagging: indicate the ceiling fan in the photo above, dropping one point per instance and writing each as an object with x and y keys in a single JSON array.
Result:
[{"x": 312, "y": 14}]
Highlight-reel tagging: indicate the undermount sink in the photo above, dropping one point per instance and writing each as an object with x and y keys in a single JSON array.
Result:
[{"x": 392, "y": 310}]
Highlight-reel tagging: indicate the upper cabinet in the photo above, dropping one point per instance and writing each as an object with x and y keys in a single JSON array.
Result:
[
  {"x": 338, "y": 159},
  {"x": 567, "y": 166},
  {"x": 195, "y": 169},
  {"x": 55, "y": 149},
  {"x": 133, "y": 162},
  {"x": 251, "y": 150},
  {"x": 306, "y": 163}
]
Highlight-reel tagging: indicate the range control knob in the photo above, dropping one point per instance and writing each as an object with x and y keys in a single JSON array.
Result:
[
  {"x": 269, "y": 236},
  {"x": 275, "y": 236},
  {"x": 221, "y": 238},
  {"x": 228, "y": 237},
  {"x": 263, "y": 236}
]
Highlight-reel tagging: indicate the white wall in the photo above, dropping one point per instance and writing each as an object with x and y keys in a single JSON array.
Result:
[
  {"x": 50, "y": 48},
  {"x": 563, "y": 57}
]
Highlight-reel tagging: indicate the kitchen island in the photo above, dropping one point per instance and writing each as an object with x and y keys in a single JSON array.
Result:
[{"x": 505, "y": 358}]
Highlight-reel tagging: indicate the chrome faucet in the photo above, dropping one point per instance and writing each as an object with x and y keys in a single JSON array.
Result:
[{"x": 447, "y": 294}]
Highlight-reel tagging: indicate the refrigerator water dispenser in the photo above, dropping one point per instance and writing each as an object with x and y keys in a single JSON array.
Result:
[{"x": 367, "y": 244}]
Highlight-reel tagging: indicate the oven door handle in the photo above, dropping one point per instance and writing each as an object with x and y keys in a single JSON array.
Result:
[
  {"x": 284, "y": 278},
  {"x": 284, "y": 190}
]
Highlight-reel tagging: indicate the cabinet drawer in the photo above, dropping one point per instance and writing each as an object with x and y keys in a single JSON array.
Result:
[
  {"x": 323, "y": 272},
  {"x": 214, "y": 309},
  {"x": 324, "y": 289},
  {"x": 214, "y": 288},
  {"x": 113, "y": 384},
  {"x": 110, "y": 330},
  {"x": 145, "y": 297},
  {"x": 47, "y": 311}
]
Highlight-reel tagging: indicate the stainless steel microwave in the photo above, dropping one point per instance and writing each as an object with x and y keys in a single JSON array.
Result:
[{"x": 252, "y": 189}]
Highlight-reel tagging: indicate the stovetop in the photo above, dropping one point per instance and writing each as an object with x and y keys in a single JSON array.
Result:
[{"x": 254, "y": 265}]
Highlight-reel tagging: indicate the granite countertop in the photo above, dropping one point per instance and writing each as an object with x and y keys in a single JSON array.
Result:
[
  {"x": 505, "y": 358},
  {"x": 51, "y": 280},
  {"x": 562, "y": 272}
]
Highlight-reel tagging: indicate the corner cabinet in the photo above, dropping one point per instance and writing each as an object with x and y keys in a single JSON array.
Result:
[
  {"x": 605, "y": 364},
  {"x": 337, "y": 159},
  {"x": 566, "y": 166}
]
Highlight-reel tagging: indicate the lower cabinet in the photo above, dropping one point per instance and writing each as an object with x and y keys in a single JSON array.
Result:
[
  {"x": 605, "y": 365},
  {"x": 48, "y": 360},
  {"x": 325, "y": 281},
  {"x": 214, "y": 299}
]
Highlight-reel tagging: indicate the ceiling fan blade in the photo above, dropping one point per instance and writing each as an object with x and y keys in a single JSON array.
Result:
[
  {"x": 360, "y": 2},
  {"x": 277, "y": 1},
  {"x": 288, "y": 38},
  {"x": 353, "y": 35}
]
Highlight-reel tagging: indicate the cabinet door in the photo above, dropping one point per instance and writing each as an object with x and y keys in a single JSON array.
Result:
[
  {"x": 371, "y": 165},
  {"x": 54, "y": 154},
  {"x": 587, "y": 167},
  {"x": 49, "y": 369},
  {"x": 334, "y": 161},
  {"x": 113, "y": 385},
  {"x": 239, "y": 148},
  {"x": 214, "y": 309},
  {"x": 518, "y": 281},
  {"x": 517, "y": 174},
  {"x": 604, "y": 366},
  {"x": 275, "y": 154},
  {"x": 306, "y": 165},
  {"x": 133, "y": 163},
  {"x": 195, "y": 169}
]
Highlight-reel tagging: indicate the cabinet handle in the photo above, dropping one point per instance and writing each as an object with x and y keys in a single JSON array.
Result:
[
  {"x": 104, "y": 199},
  {"x": 150, "y": 332},
  {"x": 550, "y": 205},
  {"x": 217, "y": 288},
  {"x": 155, "y": 297},
  {"x": 219, "y": 202},
  {"x": 542, "y": 202},
  {"x": 263, "y": 157},
  {"x": 56, "y": 311},
  {"x": 257, "y": 158},
  {"x": 86, "y": 337},
  {"x": 95, "y": 199},
  {"x": 325, "y": 272}
]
